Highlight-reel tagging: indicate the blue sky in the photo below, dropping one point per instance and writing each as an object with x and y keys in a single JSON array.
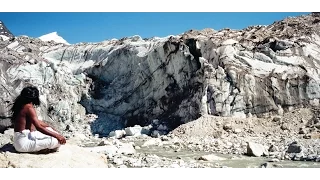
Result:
[{"x": 95, "y": 27}]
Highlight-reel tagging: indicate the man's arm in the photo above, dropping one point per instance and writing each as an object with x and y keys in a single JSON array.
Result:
[
  {"x": 42, "y": 123},
  {"x": 31, "y": 113}
]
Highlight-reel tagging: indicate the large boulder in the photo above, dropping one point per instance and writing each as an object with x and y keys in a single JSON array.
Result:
[
  {"x": 68, "y": 156},
  {"x": 257, "y": 150}
]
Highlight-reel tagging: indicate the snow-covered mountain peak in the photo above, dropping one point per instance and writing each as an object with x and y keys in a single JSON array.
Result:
[{"x": 53, "y": 37}]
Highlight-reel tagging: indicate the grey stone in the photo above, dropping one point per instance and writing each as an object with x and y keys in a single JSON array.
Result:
[
  {"x": 211, "y": 157},
  {"x": 266, "y": 165},
  {"x": 117, "y": 134},
  {"x": 302, "y": 131},
  {"x": 133, "y": 131},
  {"x": 277, "y": 119},
  {"x": 254, "y": 149},
  {"x": 274, "y": 160},
  {"x": 273, "y": 148},
  {"x": 294, "y": 148},
  {"x": 227, "y": 126}
]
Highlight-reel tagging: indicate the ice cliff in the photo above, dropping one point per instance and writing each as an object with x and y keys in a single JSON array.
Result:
[{"x": 255, "y": 71}]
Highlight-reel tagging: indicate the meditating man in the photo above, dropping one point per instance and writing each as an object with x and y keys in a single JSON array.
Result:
[{"x": 30, "y": 133}]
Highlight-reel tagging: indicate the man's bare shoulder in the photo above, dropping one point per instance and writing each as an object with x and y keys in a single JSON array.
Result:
[
  {"x": 28, "y": 107},
  {"x": 30, "y": 113}
]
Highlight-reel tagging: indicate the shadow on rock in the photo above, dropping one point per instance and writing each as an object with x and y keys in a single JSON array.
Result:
[
  {"x": 8, "y": 148},
  {"x": 105, "y": 123}
]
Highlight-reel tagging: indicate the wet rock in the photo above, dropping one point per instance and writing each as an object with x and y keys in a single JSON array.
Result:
[
  {"x": 277, "y": 165},
  {"x": 311, "y": 157},
  {"x": 211, "y": 157},
  {"x": 294, "y": 147},
  {"x": 254, "y": 149},
  {"x": 274, "y": 160},
  {"x": 298, "y": 157},
  {"x": 287, "y": 156},
  {"x": 266, "y": 165}
]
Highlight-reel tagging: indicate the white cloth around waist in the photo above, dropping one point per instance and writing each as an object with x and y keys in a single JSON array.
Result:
[{"x": 27, "y": 141}]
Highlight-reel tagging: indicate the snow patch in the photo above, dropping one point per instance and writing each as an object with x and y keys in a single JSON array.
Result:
[
  {"x": 13, "y": 45},
  {"x": 229, "y": 42},
  {"x": 4, "y": 38},
  {"x": 53, "y": 37}
]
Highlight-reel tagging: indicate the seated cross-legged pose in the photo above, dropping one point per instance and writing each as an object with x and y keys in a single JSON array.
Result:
[{"x": 31, "y": 134}]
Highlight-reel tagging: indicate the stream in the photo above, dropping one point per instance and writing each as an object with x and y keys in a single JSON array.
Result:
[{"x": 231, "y": 161}]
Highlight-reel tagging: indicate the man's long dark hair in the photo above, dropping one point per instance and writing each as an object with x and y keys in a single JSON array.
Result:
[{"x": 28, "y": 94}]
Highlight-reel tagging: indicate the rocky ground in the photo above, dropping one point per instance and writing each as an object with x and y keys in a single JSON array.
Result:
[
  {"x": 293, "y": 136},
  {"x": 206, "y": 142}
]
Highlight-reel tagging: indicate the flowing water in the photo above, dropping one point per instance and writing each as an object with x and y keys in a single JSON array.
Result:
[
  {"x": 233, "y": 161},
  {"x": 230, "y": 160}
]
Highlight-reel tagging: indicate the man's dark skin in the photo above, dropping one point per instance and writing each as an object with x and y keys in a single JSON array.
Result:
[{"x": 27, "y": 119}]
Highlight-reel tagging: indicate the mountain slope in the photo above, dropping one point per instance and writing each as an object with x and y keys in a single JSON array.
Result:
[
  {"x": 256, "y": 71},
  {"x": 5, "y": 34}
]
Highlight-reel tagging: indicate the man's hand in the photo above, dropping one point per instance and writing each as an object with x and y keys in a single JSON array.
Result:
[{"x": 61, "y": 139}]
